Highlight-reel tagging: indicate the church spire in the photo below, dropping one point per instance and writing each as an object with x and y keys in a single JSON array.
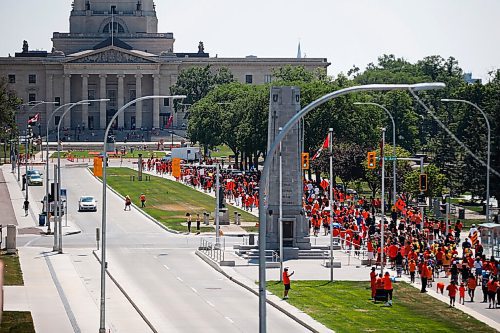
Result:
[{"x": 299, "y": 52}]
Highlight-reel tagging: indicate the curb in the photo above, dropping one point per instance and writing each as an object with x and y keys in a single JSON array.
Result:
[
  {"x": 143, "y": 316},
  {"x": 214, "y": 265},
  {"x": 137, "y": 208}
]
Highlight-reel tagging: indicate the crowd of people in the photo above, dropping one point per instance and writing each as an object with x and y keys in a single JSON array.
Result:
[{"x": 420, "y": 247}]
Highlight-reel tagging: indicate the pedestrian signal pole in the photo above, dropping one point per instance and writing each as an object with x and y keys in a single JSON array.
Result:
[{"x": 382, "y": 208}]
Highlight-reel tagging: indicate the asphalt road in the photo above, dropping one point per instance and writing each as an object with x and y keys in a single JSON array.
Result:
[{"x": 175, "y": 289}]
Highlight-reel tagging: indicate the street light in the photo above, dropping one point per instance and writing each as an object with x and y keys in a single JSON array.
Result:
[
  {"x": 394, "y": 163},
  {"x": 49, "y": 118},
  {"x": 102, "y": 316},
  {"x": 33, "y": 106},
  {"x": 489, "y": 151},
  {"x": 57, "y": 197},
  {"x": 263, "y": 185}
]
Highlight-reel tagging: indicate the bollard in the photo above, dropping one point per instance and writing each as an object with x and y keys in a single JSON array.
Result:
[
  {"x": 205, "y": 218},
  {"x": 236, "y": 218},
  {"x": 239, "y": 218},
  {"x": 11, "y": 239}
]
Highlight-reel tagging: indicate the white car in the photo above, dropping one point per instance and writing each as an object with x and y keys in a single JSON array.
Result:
[{"x": 87, "y": 203}]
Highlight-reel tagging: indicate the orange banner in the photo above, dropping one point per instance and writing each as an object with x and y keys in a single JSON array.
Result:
[
  {"x": 97, "y": 166},
  {"x": 176, "y": 167}
]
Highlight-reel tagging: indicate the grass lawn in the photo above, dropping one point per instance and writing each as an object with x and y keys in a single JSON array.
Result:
[
  {"x": 344, "y": 307},
  {"x": 17, "y": 322},
  {"x": 168, "y": 201},
  {"x": 85, "y": 154},
  {"x": 13, "y": 276},
  {"x": 220, "y": 151}
]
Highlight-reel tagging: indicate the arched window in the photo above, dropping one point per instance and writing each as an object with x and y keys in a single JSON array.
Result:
[{"x": 117, "y": 28}]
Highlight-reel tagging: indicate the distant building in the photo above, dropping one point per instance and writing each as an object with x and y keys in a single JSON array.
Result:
[
  {"x": 113, "y": 50},
  {"x": 468, "y": 78}
]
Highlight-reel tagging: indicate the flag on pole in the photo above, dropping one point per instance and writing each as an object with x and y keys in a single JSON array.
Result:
[
  {"x": 170, "y": 121},
  {"x": 34, "y": 119},
  {"x": 325, "y": 145}
]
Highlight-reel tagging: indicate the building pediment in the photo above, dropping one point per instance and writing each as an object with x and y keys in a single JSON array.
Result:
[{"x": 111, "y": 55}]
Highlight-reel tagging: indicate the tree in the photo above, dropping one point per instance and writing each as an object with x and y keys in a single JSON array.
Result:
[
  {"x": 197, "y": 82},
  {"x": 9, "y": 103}
]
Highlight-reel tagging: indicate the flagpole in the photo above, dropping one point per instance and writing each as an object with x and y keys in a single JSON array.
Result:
[
  {"x": 112, "y": 25},
  {"x": 331, "y": 201}
]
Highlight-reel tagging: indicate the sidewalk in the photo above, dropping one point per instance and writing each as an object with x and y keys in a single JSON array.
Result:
[{"x": 62, "y": 291}]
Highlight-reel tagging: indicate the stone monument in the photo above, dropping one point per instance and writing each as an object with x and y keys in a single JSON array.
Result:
[{"x": 284, "y": 104}]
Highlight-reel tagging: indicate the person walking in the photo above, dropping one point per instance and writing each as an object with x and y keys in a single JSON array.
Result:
[
  {"x": 452, "y": 292},
  {"x": 198, "y": 223},
  {"x": 471, "y": 287},
  {"x": 26, "y": 206},
  {"x": 423, "y": 277},
  {"x": 492, "y": 286},
  {"x": 143, "y": 200},
  {"x": 373, "y": 280},
  {"x": 286, "y": 282},
  {"x": 188, "y": 220},
  {"x": 128, "y": 203}
]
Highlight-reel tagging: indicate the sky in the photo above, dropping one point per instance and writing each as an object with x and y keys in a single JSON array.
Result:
[{"x": 347, "y": 32}]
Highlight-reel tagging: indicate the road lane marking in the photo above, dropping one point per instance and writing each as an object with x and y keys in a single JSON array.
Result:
[
  {"x": 178, "y": 278},
  {"x": 196, "y": 291},
  {"x": 211, "y": 304},
  {"x": 166, "y": 267},
  {"x": 229, "y": 319}
]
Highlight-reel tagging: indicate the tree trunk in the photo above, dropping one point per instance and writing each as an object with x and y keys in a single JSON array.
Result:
[{"x": 256, "y": 160}]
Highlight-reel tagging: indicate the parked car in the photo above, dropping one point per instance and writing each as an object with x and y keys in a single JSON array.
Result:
[
  {"x": 87, "y": 203},
  {"x": 35, "y": 180}
]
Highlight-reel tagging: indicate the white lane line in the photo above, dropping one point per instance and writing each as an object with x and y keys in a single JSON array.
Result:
[
  {"x": 166, "y": 267},
  {"x": 211, "y": 304},
  {"x": 178, "y": 278},
  {"x": 196, "y": 291},
  {"x": 229, "y": 320}
]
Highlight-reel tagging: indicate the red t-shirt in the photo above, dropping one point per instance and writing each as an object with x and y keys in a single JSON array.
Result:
[{"x": 452, "y": 290}]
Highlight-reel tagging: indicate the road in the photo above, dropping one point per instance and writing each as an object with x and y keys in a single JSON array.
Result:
[{"x": 175, "y": 289}]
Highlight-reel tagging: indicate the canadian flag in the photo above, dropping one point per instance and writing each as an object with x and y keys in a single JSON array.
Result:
[
  {"x": 325, "y": 145},
  {"x": 34, "y": 119}
]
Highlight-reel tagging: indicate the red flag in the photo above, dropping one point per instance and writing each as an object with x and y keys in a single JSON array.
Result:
[
  {"x": 170, "y": 121},
  {"x": 324, "y": 184},
  {"x": 325, "y": 145},
  {"x": 34, "y": 119}
]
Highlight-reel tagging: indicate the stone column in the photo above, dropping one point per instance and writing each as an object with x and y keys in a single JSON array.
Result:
[
  {"x": 102, "y": 104},
  {"x": 85, "y": 95},
  {"x": 67, "y": 99},
  {"x": 49, "y": 95},
  {"x": 121, "y": 100},
  {"x": 156, "y": 102},
  {"x": 138, "y": 105}
]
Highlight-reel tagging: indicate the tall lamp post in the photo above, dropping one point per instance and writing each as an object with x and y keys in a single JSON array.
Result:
[
  {"x": 57, "y": 197},
  {"x": 49, "y": 118},
  {"x": 489, "y": 151},
  {"x": 102, "y": 316},
  {"x": 263, "y": 185},
  {"x": 394, "y": 163}
]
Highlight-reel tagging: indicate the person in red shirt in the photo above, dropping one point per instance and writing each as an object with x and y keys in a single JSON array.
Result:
[
  {"x": 471, "y": 287},
  {"x": 388, "y": 288},
  {"x": 461, "y": 290},
  {"x": 286, "y": 281},
  {"x": 452, "y": 292},
  {"x": 492, "y": 286}
]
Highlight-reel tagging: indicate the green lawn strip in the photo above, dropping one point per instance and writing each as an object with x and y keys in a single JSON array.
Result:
[
  {"x": 17, "y": 322},
  {"x": 85, "y": 154},
  {"x": 344, "y": 306},
  {"x": 168, "y": 201},
  {"x": 12, "y": 276},
  {"x": 221, "y": 151}
]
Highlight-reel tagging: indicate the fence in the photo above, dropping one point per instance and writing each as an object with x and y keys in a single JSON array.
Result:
[{"x": 212, "y": 250}]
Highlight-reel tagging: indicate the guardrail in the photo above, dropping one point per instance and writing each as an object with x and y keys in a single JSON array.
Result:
[{"x": 211, "y": 249}]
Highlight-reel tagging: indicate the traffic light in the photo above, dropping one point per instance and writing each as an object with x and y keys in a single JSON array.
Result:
[
  {"x": 422, "y": 182},
  {"x": 305, "y": 161},
  {"x": 372, "y": 160}
]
